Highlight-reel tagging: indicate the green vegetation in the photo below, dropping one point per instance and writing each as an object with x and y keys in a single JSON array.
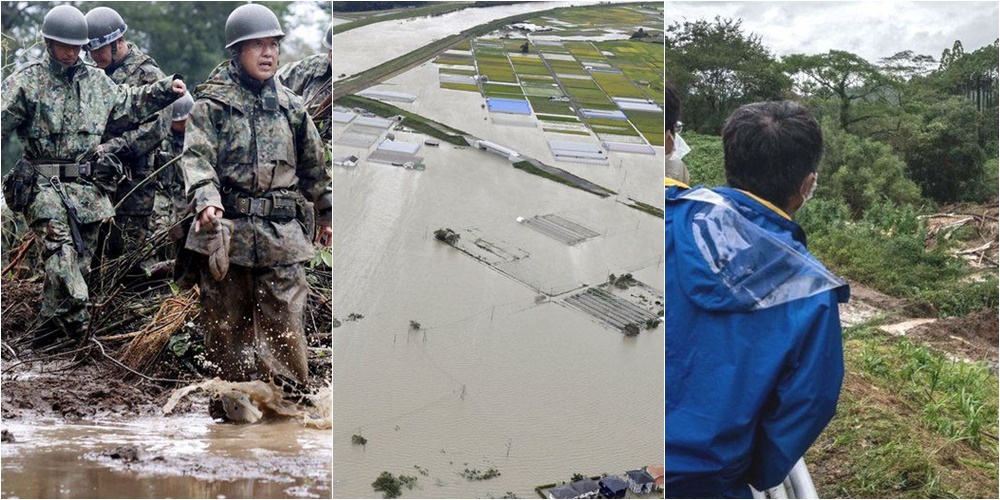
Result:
[
  {"x": 359, "y": 440},
  {"x": 905, "y": 138},
  {"x": 391, "y": 486},
  {"x": 910, "y": 423},
  {"x": 549, "y": 107},
  {"x": 416, "y": 122},
  {"x": 467, "y": 87},
  {"x": 649, "y": 124},
  {"x": 478, "y": 475}
]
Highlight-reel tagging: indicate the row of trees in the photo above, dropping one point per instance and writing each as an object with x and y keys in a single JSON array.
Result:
[{"x": 906, "y": 126}]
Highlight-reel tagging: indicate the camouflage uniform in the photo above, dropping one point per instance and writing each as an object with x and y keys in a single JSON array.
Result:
[
  {"x": 310, "y": 78},
  {"x": 136, "y": 149},
  {"x": 60, "y": 113},
  {"x": 169, "y": 200},
  {"x": 243, "y": 139}
]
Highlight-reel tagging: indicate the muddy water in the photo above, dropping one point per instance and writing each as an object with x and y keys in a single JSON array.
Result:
[
  {"x": 630, "y": 175},
  {"x": 495, "y": 378},
  {"x": 179, "y": 457},
  {"x": 356, "y": 51}
]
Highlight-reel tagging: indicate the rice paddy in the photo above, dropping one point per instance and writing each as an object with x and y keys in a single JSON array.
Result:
[{"x": 561, "y": 78}]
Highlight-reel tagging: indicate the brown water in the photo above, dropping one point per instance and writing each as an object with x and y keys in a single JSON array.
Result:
[
  {"x": 496, "y": 378},
  {"x": 186, "y": 456},
  {"x": 368, "y": 46}
]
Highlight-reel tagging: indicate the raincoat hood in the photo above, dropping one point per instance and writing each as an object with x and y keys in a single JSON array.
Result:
[{"x": 738, "y": 255}]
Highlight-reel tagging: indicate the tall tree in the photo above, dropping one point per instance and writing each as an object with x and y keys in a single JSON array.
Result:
[
  {"x": 716, "y": 68},
  {"x": 844, "y": 76}
]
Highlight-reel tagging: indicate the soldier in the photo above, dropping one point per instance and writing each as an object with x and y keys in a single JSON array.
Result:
[
  {"x": 312, "y": 79},
  {"x": 170, "y": 203},
  {"x": 252, "y": 158},
  {"x": 60, "y": 108},
  {"x": 126, "y": 64}
]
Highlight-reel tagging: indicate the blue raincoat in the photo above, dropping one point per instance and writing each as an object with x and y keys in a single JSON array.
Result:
[{"x": 754, "y": 355}]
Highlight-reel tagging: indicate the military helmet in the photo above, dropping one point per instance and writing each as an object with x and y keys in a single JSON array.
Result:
[
  {"x": 104, "y": 25},
  {"x": 251, "y": 21},
  {"x": 328, "y": 39},
  {"x": 181, "y": 108},
  {"x": 66, "y": 24}
]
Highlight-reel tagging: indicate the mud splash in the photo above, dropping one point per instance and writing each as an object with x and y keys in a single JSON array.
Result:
[{"x": 266, "y": 401}]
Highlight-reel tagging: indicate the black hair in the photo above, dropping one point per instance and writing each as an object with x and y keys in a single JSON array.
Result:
[
  {"x": 673, "y": 107},
  {"x": 770, "y": 148}
]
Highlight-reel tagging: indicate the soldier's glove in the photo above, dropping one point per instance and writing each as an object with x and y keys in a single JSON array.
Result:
[{"x": 219, "y": 236}]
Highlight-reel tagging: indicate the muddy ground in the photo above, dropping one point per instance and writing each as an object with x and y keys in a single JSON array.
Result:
[{"x": 75, "y": 384}]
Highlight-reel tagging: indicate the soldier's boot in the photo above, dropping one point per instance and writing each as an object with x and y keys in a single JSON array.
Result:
[{"x": 293, "y": 391}]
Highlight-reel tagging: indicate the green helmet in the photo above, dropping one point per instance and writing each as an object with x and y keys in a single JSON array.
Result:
[
  {"x": 104, "y": 25},
  {"x": 251, "y": 21},
  {"x": 328, "y": 39},
  {"x": 66, "y": 24}
]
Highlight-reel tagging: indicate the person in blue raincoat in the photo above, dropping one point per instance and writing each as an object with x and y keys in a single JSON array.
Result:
[{"x": 754, "y": 355}]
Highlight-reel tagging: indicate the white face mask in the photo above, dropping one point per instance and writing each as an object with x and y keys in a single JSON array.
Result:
[
  {"x": 812, "y": 190},
  {"x": 680, "y": 148}
]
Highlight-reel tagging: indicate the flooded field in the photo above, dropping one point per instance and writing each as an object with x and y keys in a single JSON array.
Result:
[
  {"x": 631, "y": 175},
  {"x": 356, "y": 52},
  {"x": 186, "y": 456},
  {"x": 501, "y": 372}
]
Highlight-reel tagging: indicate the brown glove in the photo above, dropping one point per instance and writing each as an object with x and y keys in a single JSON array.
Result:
[{"x": 219, "y": 238}]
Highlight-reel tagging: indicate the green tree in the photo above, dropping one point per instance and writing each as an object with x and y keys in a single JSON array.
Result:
[
  {"x": 716, "y": 68},
  {"x": 848, "y": 78},
  {"x": 944, "y": 157},
  {"x": 862, "y": 172}
]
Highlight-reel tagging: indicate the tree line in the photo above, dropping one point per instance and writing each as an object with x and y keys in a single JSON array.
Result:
[{"x": 905, "y": 127}]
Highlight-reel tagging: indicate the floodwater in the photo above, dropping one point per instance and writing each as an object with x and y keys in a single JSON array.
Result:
[
  {"x": 501, "y": 374},
  {"x": 368, "y": 46},
  {"x": 185, "y": 456},
  {"x": 631, "y": 175}
]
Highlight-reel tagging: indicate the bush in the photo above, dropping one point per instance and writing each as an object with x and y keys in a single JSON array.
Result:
[{"x": 862, "y": 172}]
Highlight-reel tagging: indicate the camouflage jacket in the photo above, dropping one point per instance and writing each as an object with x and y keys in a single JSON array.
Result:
[
  {"x": 170, "y": 181},
  {"x": 61, "y": 113},
  {"x": 254, "y": 142},
  {"x": 310, "y": 78},
  {"x": 137, "y": 69}
]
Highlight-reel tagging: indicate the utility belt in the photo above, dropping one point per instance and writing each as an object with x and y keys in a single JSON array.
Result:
[
  {"x": 64, "y": 171},
  {"x": 279, "y": 206}
]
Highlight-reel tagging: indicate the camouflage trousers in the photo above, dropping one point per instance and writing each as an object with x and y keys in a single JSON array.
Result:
[
  {"x": 64, "y": 294},
  {"x": 253, "y": 322}
]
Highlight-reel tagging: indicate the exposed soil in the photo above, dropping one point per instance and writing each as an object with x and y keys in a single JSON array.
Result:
[
  {"x": 974, "y": 337},
  {"x": 86, "y": 384}
]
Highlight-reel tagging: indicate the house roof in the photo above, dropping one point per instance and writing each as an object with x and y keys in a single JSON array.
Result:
[
  {"x": 657, "y": 472},
  {"x": 584, "y": 486},
  {"x": 639, "y": 476},
  {"x": 564, "y": 491},
  {"x": 613, "y": 483}
]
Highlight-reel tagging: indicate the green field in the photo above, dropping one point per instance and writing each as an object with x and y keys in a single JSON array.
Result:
[
  {"x": 506, "y": 91},
  {"x": 545, "y": 106},
  {"x": 460, "y": 86},
  {"x": 649, "y": 124},
  {"x": 617, "y": 85}
]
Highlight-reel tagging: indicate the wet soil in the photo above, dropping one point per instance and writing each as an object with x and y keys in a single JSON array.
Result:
[
  {"x": 974, "y": 337},
  {"x": 87, "y": 385}
]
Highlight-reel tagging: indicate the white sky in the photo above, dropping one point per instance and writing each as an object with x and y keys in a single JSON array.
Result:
[{"x": 870, "y": 29}]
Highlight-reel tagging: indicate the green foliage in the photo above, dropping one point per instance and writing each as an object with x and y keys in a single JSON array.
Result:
[
  {"x": 716, "y": 68},
  {"x": 862, "y": 172},
  {"x": 842, "y": 75},
  {"x": 705, "y": 162},
  {"x": 478, "y": 475},
  {"x": 944, "y": 157}
]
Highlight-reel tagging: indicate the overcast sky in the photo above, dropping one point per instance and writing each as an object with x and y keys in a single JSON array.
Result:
[{"x": 870, "y": 29}]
